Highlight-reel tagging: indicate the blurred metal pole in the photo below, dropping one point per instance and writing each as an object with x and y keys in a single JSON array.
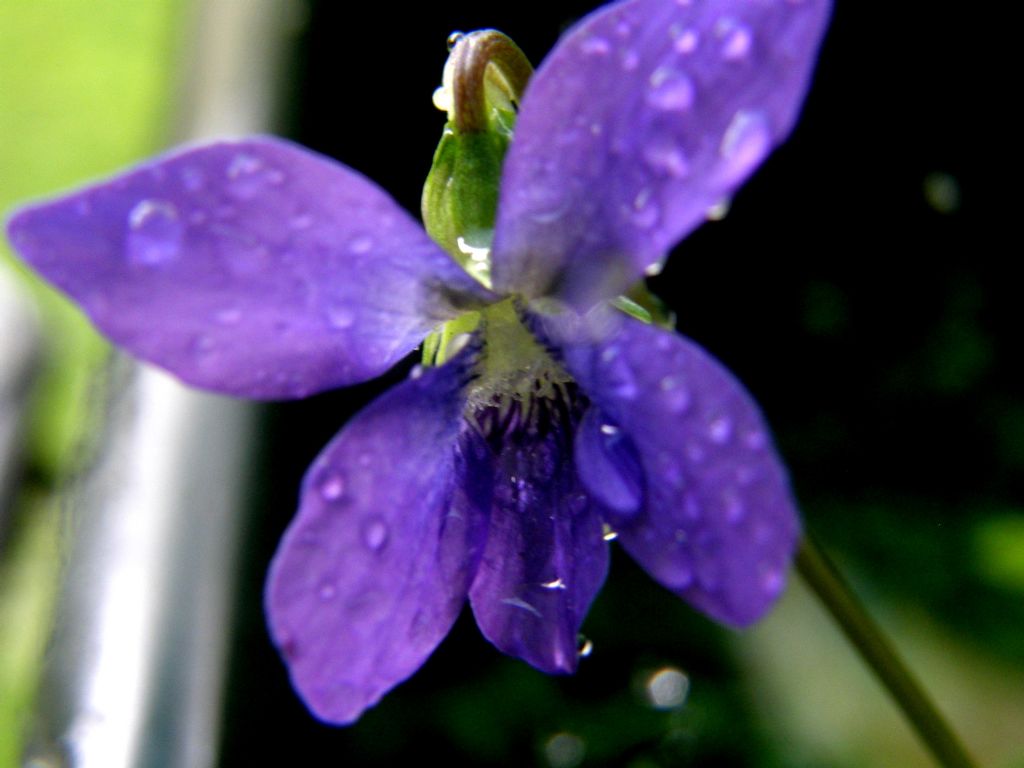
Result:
[
  {"x": 19, "y": 357},
  {"x": 136, "y": 669}
]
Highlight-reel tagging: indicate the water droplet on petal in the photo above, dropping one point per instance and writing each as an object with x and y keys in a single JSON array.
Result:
[
  {"x": 609, "y": 429},
  {"x": 360, "y": 244},
  {"x": 732, "y": 506},
  {"x": 327, "y": 591},
  {"x": 687, "y": 41},
  {"x": 340, "y": 316},
  {"x": 665, "y": 157},
  {"x": 608, "y": 533},
  {"x": 772, "y": 581},
  {"x": 676, "y": 397},
  {"x": 554, "y": 584},
  {"x": 248, "y": 176},
  {"x": 332, "y": 486},
  {"x": 670, "y": 91},
  {"x": 155, "y": 233},
  {"x": 375, "y": 533},
  {"x": 644, "y": 213},
  {"x": 720, "y": 430},
  {"x": 617, "y": 374},
  {"x": 595, "y": 46},
  {"x": 737, "y": 42},
  {"x": 745, "y": 144}
]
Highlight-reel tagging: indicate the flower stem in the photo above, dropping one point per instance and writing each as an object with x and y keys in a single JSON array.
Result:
[{"x": 866, "y": 636}]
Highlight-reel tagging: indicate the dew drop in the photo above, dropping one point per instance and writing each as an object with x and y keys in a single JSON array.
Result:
[
  {"x": 687, "y": 41},
  {"x": 155, "y": 233},
  {"x": 327, "y": 591},
  {"x": 608, "y": 533},
  {"x": 737, "y": 43},
  {"x": 746, "y": 142},
  {"x": 664, "y": 156},
  {"x": 676, "y": 397},
  {"x": 360, "y": 244},
  {"x": 340, "y": 316},
  {"x": 595, "y": 46},
  {"x": 719, "y": 210},
  {"x": 618, "y": 375},
  {"x": 772, "y": 581},
  {"x": 332, "y": 486},
  {"x": 554, "y": 584},
  {"x": 720, "y": 430},
  {"x": 644, "y": 213},
  {"x": 670, "y": 91},
  {"x": 609, "y": 429},
  {"x": 248, "y": 176},
  {"x": 375, "y": 533},
  {"x": 732, "y": 506},
  {"x": 453, "y": 39},
  {"x": 584, "y": 646}
]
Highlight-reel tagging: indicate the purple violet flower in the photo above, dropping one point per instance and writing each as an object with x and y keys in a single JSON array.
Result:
[{"x": 259, "y": 269}]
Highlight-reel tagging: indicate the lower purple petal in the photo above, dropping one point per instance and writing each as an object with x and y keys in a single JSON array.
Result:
[
  {"x": 375, "y": 568},
  {"x": 545, "y": 557},
  {"x": 719, "y": 524}
]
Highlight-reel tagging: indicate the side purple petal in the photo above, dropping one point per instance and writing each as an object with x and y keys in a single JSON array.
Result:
[
  {"x": 252, "y": 267},
  {"x": 375, "y": 568},
  {"x": 545, "y": 557},
  {"x": 718, "y": 524},
  {"x": 645, "y": 115}
]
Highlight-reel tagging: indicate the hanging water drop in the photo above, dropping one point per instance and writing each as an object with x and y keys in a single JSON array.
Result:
[
  {"x": 375, "y": 533},
  {"x": 745, "y": 144},
  {"x": 155, "y": 233},
  {"x": 584, "y": 646},
  {"x": 332, "y": 486},
  {"x": 670, "y": 91}
]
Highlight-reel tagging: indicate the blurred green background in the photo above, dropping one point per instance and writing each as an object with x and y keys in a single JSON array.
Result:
[{"x": 853, "y": 287}]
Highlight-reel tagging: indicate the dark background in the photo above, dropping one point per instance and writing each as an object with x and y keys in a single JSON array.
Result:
[{"x": 877, "y": 330}]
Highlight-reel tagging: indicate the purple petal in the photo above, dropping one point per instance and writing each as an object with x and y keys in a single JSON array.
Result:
[
  {"x": 375, "y": 568},
  {"x": 251, "y": 267},
  {"x": 645, "y": 115},
  {"x": 545, "y": 557},
  {"x": 719, "y": 525}
]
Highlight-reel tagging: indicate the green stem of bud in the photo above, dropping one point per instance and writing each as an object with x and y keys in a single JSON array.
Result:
[{"x": 479, "y": 57}]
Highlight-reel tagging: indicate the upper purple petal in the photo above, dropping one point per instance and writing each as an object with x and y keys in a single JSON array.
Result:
[
  {"x": 718, "y": 523},
  {"x": 252, "y": 267},
  {"x": 374, "y": 569},
  {"x": 545, "y": 557},
  {"x": 645, "y": 115}
]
